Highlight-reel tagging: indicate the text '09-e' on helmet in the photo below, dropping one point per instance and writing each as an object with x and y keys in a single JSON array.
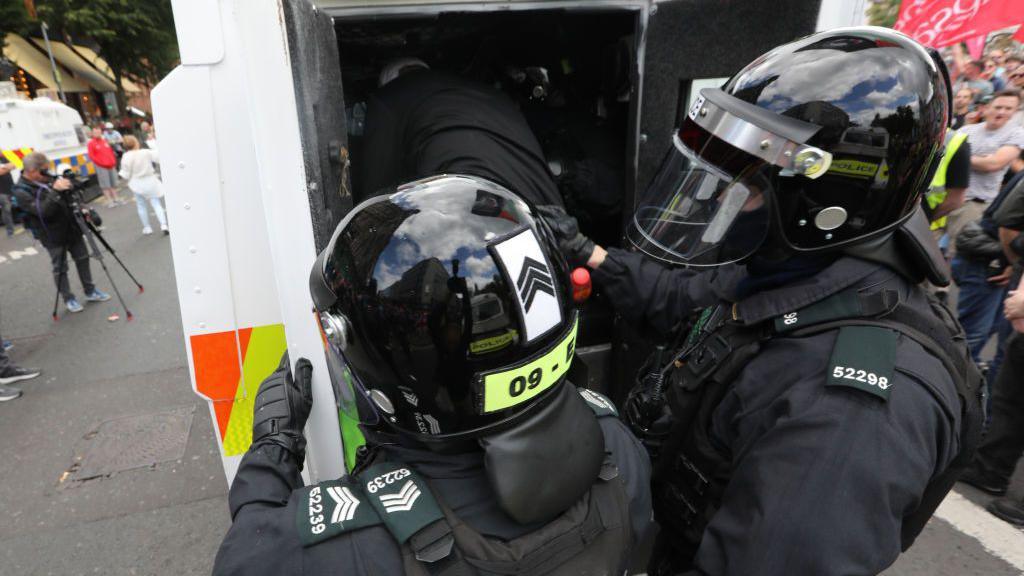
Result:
[
  {"x": 447, "y": 309},
  {"x": 821, "y": 143}
]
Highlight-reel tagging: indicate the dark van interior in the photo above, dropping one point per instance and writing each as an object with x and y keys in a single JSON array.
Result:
[
  {"x": 570, "y": 73},
  {"x": 601, "y": 84}
]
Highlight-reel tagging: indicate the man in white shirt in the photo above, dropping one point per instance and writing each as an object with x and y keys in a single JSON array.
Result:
[{"x": 995, "y": 143}]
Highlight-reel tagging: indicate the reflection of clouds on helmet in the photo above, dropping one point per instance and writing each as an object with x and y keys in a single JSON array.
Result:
[
  {"x": 480, "y": 271},
  {"x": 876, "y": 87},
  {"x": 444, "y": 236}
]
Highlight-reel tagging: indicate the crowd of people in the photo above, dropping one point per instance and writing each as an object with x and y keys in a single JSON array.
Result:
[
  {"x": 977, "y": 213},
  {"x": 43, "y": 201}
]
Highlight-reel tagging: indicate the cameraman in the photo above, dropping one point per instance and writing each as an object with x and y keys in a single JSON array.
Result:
[{"x": 40, "y": 196}]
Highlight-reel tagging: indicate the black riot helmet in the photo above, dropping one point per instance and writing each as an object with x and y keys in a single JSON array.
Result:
[
  {"x": 446, "y": 309},
  {"x": 820, "y": 144}
]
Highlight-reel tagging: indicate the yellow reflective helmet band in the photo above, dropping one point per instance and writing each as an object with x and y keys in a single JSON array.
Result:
[{"x": 506, "y": 388}]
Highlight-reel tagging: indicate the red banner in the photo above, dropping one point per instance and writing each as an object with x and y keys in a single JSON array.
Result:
[
  {"x": 940, "y": 23},
  {"x": 976, "y": 47},
  {"x": 1019, "y": 35}
]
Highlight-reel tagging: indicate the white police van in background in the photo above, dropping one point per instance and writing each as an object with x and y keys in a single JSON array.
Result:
[
  {"x": 41, "y": 125},
  {"x": 262, "y": 121}
]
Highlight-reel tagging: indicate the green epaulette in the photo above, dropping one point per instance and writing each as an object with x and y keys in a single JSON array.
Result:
[
  {"x": 388, "y": 493},
  {"x": 864, "y": 356}
]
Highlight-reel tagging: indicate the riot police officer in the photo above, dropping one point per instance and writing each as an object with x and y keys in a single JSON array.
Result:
[
  {"x": 449, "y": 329},
  {"x": 812, "y": 421}
]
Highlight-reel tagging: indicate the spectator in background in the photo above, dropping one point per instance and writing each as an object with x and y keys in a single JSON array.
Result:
[
  {"x": 1016, "y": 81},
  {"x": 1011, "y": 64},
  {"x": 977, "y": 113},
  {"x": 962, "y": 106},
  {"x": 993, "y": 75},
  {"x": 979, "y": 267},
  {"x": 998, "y": 57},
  {"x": 102, "y": 155},
  {"x": 148, "y": 135},
  {"x": 995, "y": 143},
  {"x": 1004, "y": 443},
  {"x": 38, "y": 195},
  {"x": 6, "y": 187},
  {"x": 137, "y": 168},
  {"x": 972, "y": 78},
  {"x": 114, "y": 138},
  {"x": 10, "y": 373}
]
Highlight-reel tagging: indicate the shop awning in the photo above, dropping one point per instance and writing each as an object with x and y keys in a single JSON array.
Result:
[
  {"x": 101, "y": 64},
  {"x": 37, "y": 65},
  {"x": 81, "y": 69}
]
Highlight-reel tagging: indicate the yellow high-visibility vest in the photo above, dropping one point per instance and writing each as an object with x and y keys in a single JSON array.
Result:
[{"x": 937, "y": 190}]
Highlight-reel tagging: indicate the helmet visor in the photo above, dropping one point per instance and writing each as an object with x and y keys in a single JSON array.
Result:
[
  {"x": 702, "y": 213},
  {"x": 710, "y": 203}
]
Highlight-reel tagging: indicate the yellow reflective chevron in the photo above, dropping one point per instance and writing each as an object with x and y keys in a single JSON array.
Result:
[
  {"x": 262, "y": 357},
  {"x": 937, "y": 191}
]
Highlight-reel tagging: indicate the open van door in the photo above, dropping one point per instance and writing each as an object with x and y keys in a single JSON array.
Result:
[{"x": 253, "y": 192}]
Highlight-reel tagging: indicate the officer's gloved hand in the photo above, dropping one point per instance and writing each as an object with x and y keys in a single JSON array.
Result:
[
  {"x": 576, "y": 247},
  {"x": 282, "y": 407}
]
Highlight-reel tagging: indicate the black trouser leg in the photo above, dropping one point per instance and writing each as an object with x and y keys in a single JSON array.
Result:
[
  {"x": 1004, "y": 443},
  {"x": 80, "y": 254},
  {"x": 5, "y": 361},
  {"x": 8, "y": 216},
  {"x": 59, "y": 264}
]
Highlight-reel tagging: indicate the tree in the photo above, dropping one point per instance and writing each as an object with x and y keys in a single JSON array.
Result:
[
  {"x": 135, "y": 37},
  {"x": 13, "y": 19},
  {"x": 883, "y": 12}
]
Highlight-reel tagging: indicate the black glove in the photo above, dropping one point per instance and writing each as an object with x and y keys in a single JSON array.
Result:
[
  {"x": 576, "y": 247},
  {"x": 282, "y": 407}
]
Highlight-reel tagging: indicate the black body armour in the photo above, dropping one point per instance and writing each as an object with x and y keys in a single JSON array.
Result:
[
  {"x": 592, "y": 537},
  {"x": 691, "y": 471}
]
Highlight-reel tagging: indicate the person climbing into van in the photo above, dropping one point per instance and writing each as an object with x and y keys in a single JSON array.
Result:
[{"x": 422, "y": 122}]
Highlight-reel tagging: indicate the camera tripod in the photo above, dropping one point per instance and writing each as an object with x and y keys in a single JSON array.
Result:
[{"x": 92, "y": 234}]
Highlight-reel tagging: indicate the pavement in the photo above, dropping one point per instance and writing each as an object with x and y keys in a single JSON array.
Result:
[
  {"x": 168, "y": 517},
  {"x": 164, "y": 518}
]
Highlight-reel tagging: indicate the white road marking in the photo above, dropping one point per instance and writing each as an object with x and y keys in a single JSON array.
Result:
[
  {"x": 1000, "y": 538},
  {"x": 18, "y": 254}
]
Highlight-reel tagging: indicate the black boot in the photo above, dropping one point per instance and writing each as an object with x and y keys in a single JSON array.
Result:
[
  {"x": 1009, "y": 509},
  {"x": 986, "y": 482}
]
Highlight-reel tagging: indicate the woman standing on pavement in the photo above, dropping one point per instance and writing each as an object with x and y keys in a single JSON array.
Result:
[
  {"x": 103, "y": 157},
  {"x": 137, "y": 168}
]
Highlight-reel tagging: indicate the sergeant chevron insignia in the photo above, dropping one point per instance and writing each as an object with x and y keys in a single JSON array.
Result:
[
  {"x": 533, "y": 278},
  {"x": 406, "y": 510},
  {"x": 332, "y": 508},
  {"x": 345, "y": 504},
  {"x": 525, "y": 266},
  {"x": 403, "y": 501}
]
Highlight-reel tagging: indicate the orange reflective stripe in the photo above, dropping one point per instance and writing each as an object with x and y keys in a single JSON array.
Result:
[{"x": 230, "y": 384}]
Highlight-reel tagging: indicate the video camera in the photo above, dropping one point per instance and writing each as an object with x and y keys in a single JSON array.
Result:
[
  {"x": 73, "y": 195},
  {"x": 78, "y": 184}
]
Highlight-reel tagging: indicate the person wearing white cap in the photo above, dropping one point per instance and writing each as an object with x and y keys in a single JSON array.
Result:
[{"x": 114, "y": 138}]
